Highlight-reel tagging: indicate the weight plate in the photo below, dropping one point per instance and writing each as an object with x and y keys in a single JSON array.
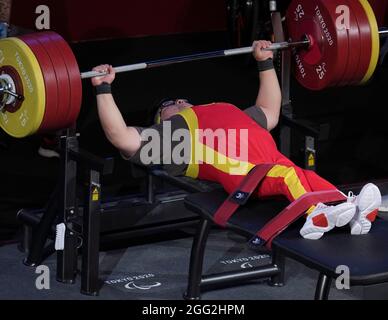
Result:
[
  {"x": 62, "y": 79},
  {"x": 28, "y": 118},
  {"x": 375, "y": 38},
  {"x": 74, "y": 76},
  {"x": 52, "y": 97},
  {"x": 354, "y": 44},
  {"x": 324, "y": 63}
]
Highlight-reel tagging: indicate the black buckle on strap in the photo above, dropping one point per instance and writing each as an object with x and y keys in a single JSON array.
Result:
[
  {"x": 240, "y": 197},
  {"x": 256, "y": 242}
]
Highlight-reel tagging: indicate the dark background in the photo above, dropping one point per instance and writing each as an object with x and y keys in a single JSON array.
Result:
[
  {"x": 83, "y": 20},
  {"x": 139, "y": 31}
]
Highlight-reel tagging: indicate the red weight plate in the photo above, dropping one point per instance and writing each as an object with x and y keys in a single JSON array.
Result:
[
  {"x": 74, "y": 75},
  {"x": 365, "y": 41},
  {"x": 61, "y": 77},
  {"x": 324, "y": 63},
  {"x": 354, "y": 46},
  {"x": 67, "y": 109},
  {"x": 49, "y": 119}
]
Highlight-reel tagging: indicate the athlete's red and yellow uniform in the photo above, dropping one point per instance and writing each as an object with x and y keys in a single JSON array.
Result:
[{"x": 285, "y": 178}]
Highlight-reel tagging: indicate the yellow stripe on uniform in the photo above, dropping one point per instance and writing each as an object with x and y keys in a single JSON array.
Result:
[
  {"x": 291, "y": 179},
  {"x": 192, "y": 121},
  {"x": 223, "y": 163},
  {"x": 201, "y": 153}
]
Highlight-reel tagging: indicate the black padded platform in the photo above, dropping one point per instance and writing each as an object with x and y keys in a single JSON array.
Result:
[
  {"x": 366, "y": 256},
  {"x": 245, "y": 221}
]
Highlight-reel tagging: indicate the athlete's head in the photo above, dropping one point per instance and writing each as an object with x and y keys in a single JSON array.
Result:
[{"x": 170, "y": 107}]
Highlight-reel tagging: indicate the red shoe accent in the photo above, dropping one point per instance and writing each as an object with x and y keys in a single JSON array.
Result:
[
  {"x": 321, "y": 221},
  {"x": 373, "y": 215}
]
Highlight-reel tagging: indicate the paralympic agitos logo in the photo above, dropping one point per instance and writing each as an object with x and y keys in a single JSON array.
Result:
[
  {"x": 138, "y": 282},
  {"x": 132, "y": 285},
  {"x": 246, "y": 262}
]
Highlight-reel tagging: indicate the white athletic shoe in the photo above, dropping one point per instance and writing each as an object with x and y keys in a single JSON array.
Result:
[
  {"x": 324, "y": 218},
  {"x": 49, "y": 146},
  {"x": 48, "y": 153},
  {"x": 368, "y": 203}
]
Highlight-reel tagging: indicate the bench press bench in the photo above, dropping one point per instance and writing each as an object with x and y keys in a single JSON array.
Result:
[{"x": 366, "y": 256}]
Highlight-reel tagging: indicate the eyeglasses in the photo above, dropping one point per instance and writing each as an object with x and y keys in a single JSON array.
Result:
[{"x": 170, "y": 103}]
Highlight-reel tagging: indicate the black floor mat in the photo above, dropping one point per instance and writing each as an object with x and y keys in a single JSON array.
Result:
[{"x": 158, "y": 271}]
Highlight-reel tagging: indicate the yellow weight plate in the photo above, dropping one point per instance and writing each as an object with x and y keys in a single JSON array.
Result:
[
  {"x": 28, "y": 118},
  {"x": 375, "y": 41}
]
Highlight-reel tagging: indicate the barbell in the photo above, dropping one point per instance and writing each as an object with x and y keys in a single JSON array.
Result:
[{"x": 40, "y": 82}]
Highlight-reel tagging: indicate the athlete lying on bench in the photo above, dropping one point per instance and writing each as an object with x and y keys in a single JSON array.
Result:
[{"x": 246, "y": 131}]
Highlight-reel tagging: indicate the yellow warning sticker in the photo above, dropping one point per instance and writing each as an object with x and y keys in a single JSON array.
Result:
[
  {"x": 311, "y": 160},
  {"x": 95, "y": 194}
]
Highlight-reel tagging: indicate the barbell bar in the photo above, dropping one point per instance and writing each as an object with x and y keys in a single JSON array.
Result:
[
  {"x": 41, "y": 88},
  {"x": 181, "y": 59},
  {"x": 195, "y": 57},
  {"x": 203, "y": 56},
  {"x": 3, "y": 89},
  {"x": 7, "y": 92}
]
